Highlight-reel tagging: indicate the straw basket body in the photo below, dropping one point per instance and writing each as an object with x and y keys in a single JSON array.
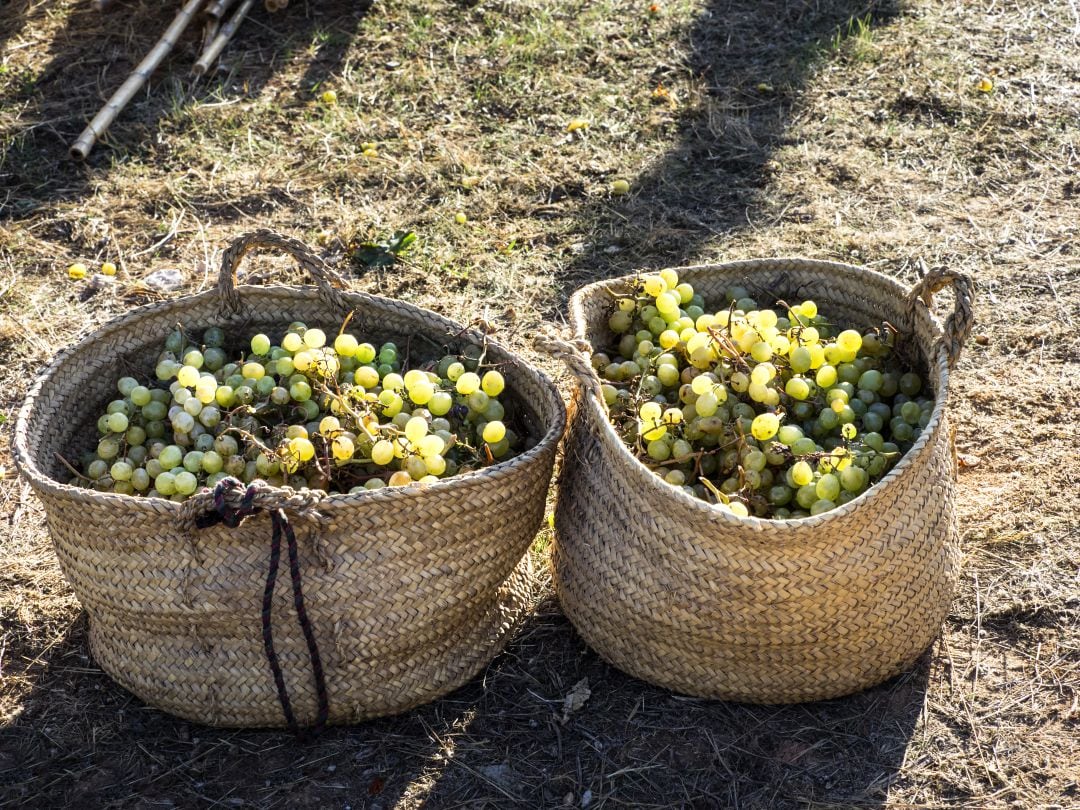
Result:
[
  {"x": 671, "y": 590},
  {"x": 409, "y": 591}
]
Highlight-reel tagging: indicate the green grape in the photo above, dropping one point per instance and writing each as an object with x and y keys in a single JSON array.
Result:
[
  {"x": 827, "y": 487},
  {"x": 910, "y": 412},
  {"x": 213, "y": 359},
  {"x": 108, "y": 448},
  {"x": 165, "y": 484},
  {"x": 140, "y": 480},
  {"x": 193, "y": 461},
  {"x": 871, "y": 380},
  {"x": 872, "y": 422},
  {"x": 853, "y": 479},
  {"x": 235, "y": 466},
  {"x": 910, "y": 384},
  {"x": 382, "y": 452},
  {"x": 212, "y": 462},
  {"x": 300, "y": 391},
  {"x": 848, "y": 373},
  {"x": 184, "y": 482},
  {"x": 780, "y": 495},
  {"x": 494, "y": 432},
  {"x": 171, "y": 457},
  {"x": 121, "y": 471},
  {"x": 314, "y": 338},
  {"x": 493, "y": 383},
  {"x": 826, "y": 377},
  {"x": 902, "y": 431},
  {"x": 788, "y": 434},
  {"x": 797, "y": 388},
  {"x": 260, "y": 345},
  {"x": 478, "y": 401},
  {"x": 117, "y": 422},
  {"x": 253, "y": 371},
  {"x": 806, "y": 496},
  {"x": 193, "y": 358},
  {"x": 801, "y": 474},
  {"x": 214, "y": 337},
  {"x": 800, "y": 359},
  {"x": 765, "y": 425}
]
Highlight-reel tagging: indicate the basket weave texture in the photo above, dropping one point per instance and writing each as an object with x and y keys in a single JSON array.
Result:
[
  {"x": 410, "y": 591},
  {"x": 668, "y": 588}
]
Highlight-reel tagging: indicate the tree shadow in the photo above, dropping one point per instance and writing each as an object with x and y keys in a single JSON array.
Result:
[
  {"x": 503, "y": 740},
  {"x": 641, "y": 746},
  {"x": 83, "y": 741},
  {"x": 92, "y": 54},
  {"x": 755, "y": 57}
]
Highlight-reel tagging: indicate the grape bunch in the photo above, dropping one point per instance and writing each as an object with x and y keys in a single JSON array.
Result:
[
  {"x": 341, "y": 418},
  {"x": 775, "y": 412}
]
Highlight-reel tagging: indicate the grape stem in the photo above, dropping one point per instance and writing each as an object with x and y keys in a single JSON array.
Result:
[
  {"x": 71, "y": 469},
  {"x": 709, "y": 485},
  {"x": 252, "y": 438},
  {"x": 730, "y": 348}
]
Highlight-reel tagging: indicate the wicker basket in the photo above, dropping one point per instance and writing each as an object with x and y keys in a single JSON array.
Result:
[
  {"x": 674, "y": 591},
  {"x": 408, "y": 592}
]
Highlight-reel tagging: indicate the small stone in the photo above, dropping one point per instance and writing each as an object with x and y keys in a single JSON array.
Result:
[
  {"x": 165, "y": 280},
  {"x": 501, "y": 774}
]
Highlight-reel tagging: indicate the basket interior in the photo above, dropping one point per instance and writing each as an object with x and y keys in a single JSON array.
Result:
[{"x": 80, "y": 382}]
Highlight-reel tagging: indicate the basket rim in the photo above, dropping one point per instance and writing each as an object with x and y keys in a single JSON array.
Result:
[
  {"x": 39, "y": 480},
  {"x": 703, "y": 508}
]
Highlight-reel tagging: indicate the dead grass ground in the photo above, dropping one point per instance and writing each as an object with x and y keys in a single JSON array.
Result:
[{"x": 785, "y": 129}]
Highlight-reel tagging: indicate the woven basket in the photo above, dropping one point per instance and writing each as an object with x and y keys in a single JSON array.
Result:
[
  {"x": 409, "y": 592},
  {"x": 672, "y": 590}
]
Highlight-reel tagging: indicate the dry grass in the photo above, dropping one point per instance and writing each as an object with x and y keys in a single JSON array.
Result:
[{"x": 831, "y": 128}]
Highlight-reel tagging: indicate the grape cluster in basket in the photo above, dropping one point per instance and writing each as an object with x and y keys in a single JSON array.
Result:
[
  {"x": 776, "y": 412},
  {"x": 340, "y": 417}
]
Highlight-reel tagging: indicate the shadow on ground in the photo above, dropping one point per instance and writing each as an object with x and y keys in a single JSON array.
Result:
[
  {"x": 500, "y": 741},
  {"x": 92, "y": 55},
  {"x": 755, "y": 58}
]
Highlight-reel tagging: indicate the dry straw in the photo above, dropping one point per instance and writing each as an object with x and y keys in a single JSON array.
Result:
[
  {"x": 409, "y": 591},
  {"x": 672, "y": 590}
]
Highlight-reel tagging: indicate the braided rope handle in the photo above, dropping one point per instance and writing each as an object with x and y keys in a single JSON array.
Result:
[
  {"x": 325, "y": 277},
  {"x": 574, "y": 354},
  {"x": 960, "y": 321},
  {"x": 300, "y": 502}
]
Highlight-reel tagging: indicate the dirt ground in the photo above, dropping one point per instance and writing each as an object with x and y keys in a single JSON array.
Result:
[{"x": 837, "y": 129}]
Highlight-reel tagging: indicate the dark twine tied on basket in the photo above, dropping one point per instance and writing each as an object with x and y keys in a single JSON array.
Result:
[{"x": 233, "y": 516}]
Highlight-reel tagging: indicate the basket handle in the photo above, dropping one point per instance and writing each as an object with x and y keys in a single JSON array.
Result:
[
  {"x": 574, "y": 354},
  {"x": 962, "y": 318},
  {"x": 326, "y": 278}
]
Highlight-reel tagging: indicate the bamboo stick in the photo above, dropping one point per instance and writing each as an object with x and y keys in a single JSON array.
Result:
[
  {"x": 81, "y": 148},
  {"x": 214, "y": 14},
  {"x": 213, "y": 50},
  {"x": 217, "y": 8}
]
